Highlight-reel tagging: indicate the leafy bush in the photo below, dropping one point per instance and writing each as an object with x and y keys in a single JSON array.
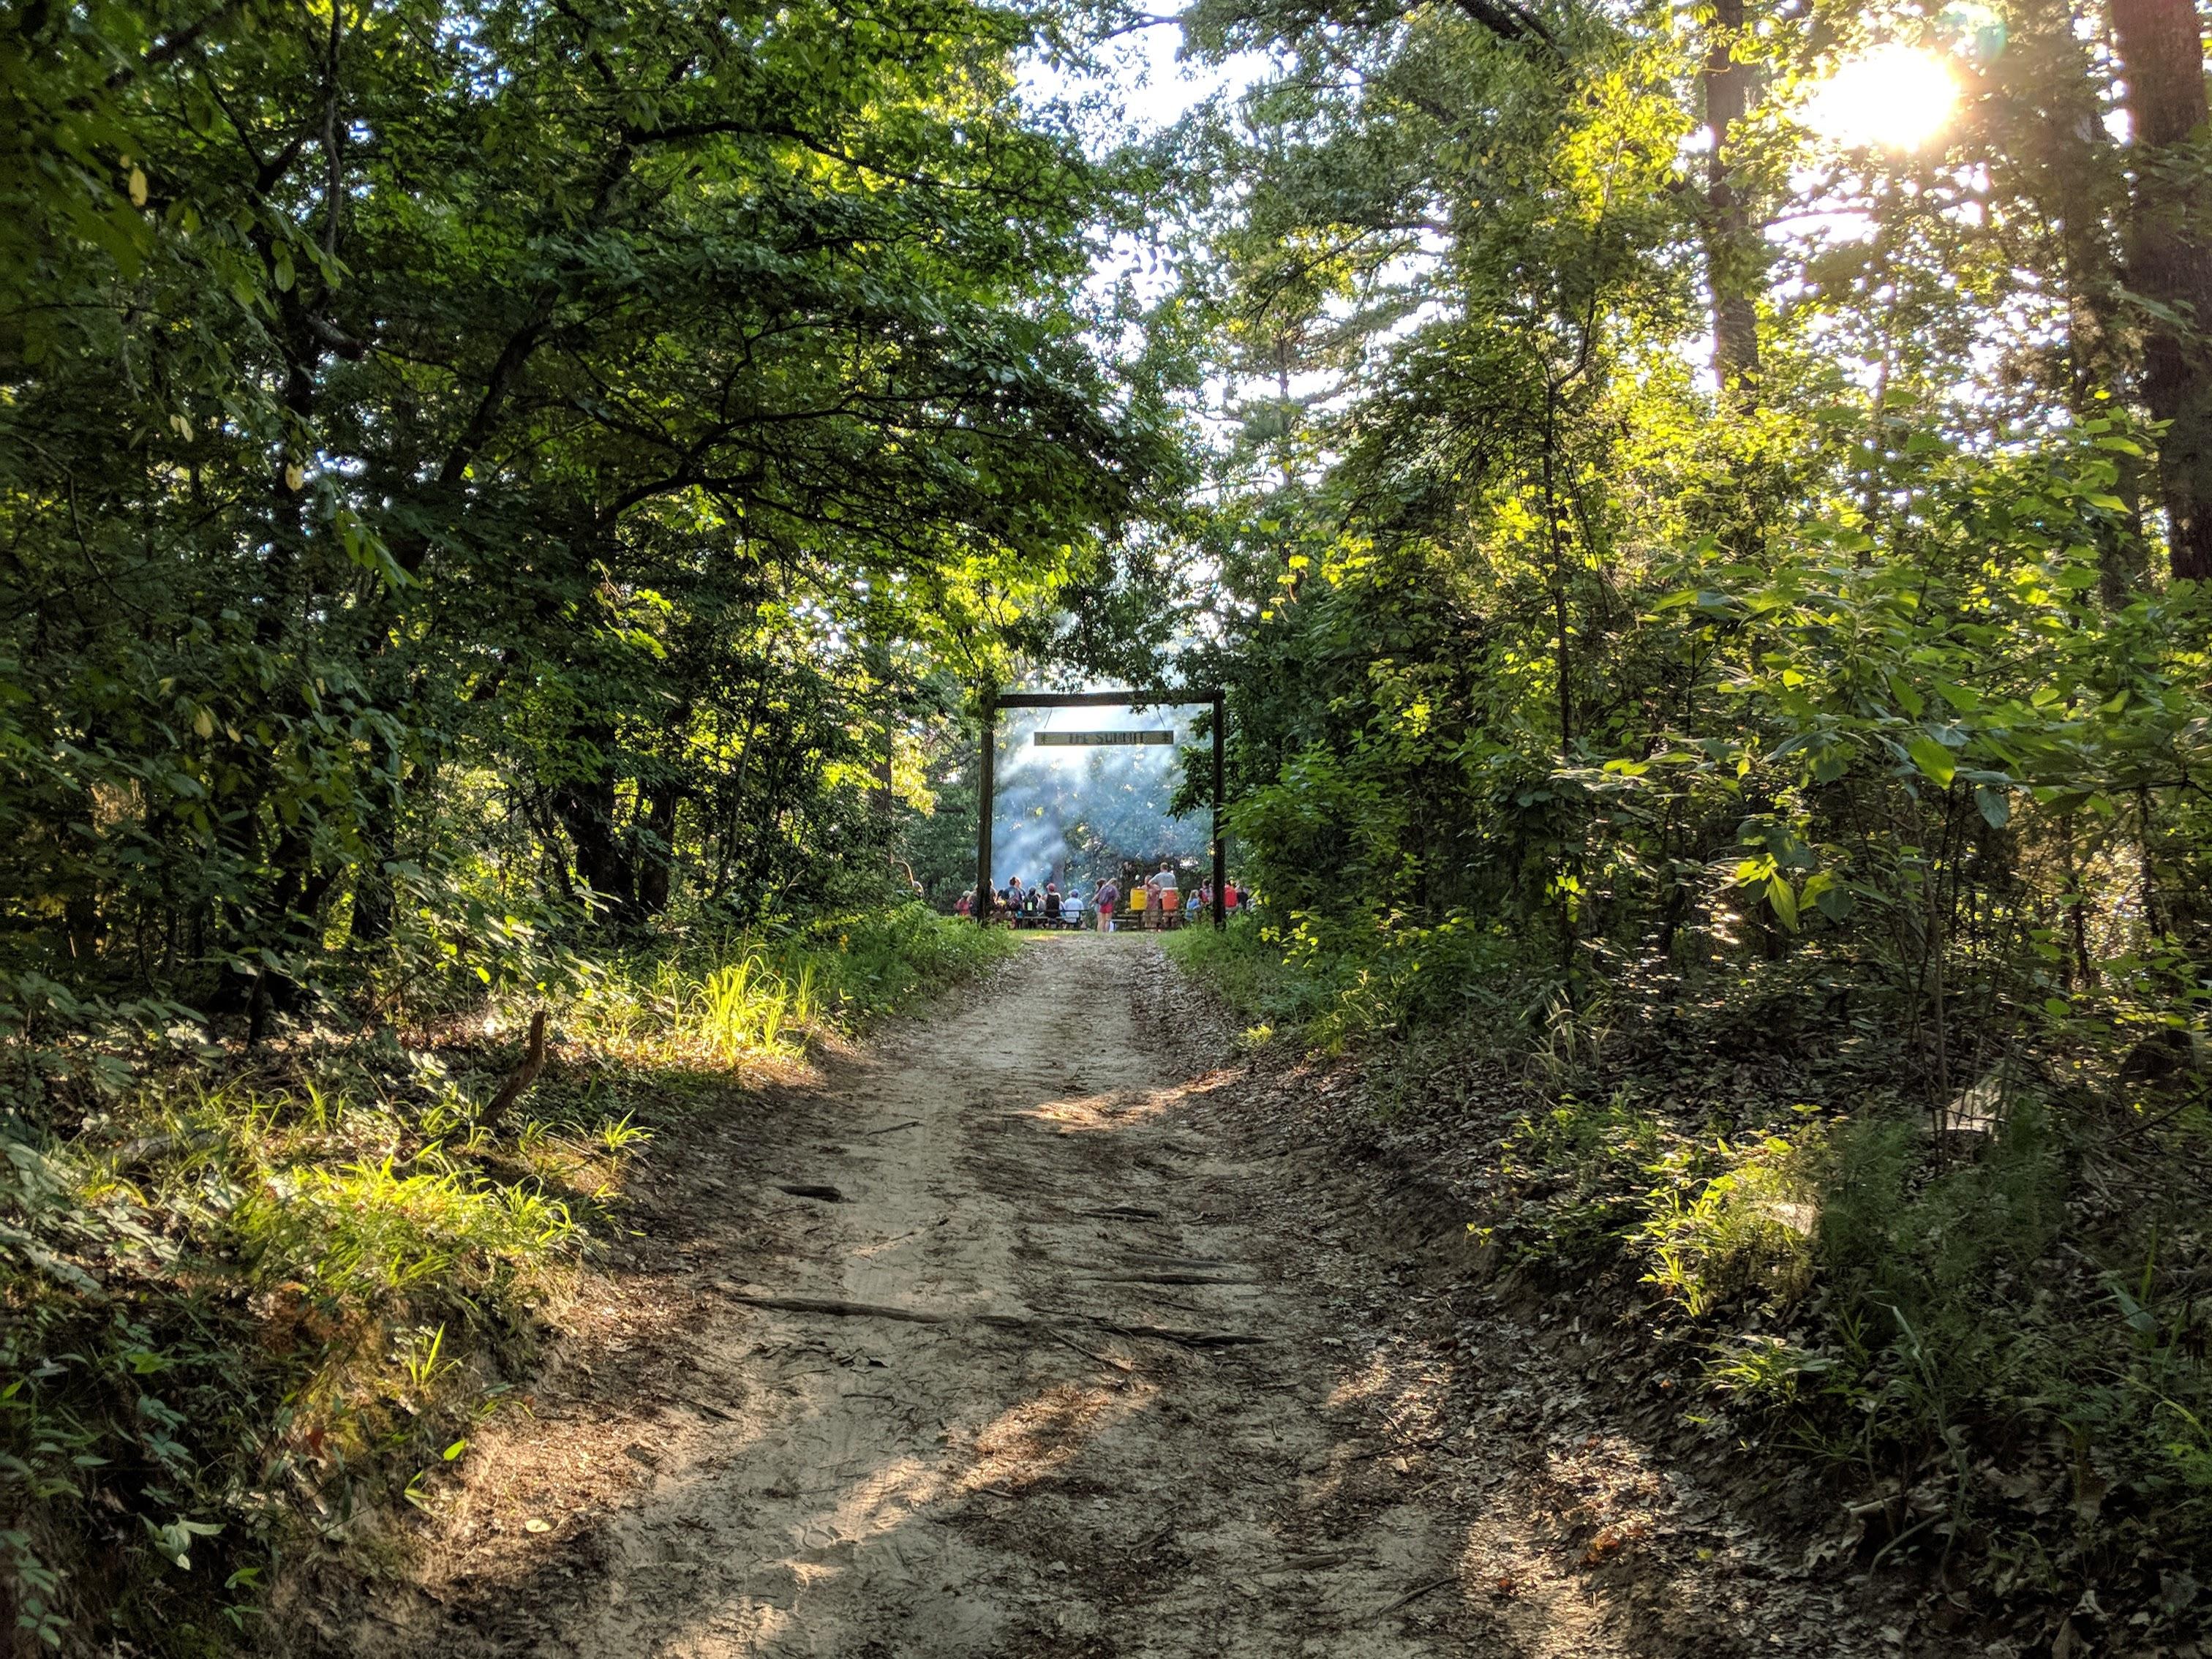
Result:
[
  {"x": 1574, "y": 1172},
  {"x": 1243, "y": 964},
  {"x": 1337, "y": 981},
  {"x": 1748, "y": 1229}
]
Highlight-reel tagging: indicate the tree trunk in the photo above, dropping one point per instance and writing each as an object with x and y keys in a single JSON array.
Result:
[
  {"x": 2170, "y": 258},
  {"x": 1734, "y": 263},
  {"x": 587, "y": 808},
  {"x": 657, "y": 850}
]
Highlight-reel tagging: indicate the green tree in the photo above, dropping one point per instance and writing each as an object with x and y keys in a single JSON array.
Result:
[{"x": 464, "y": 461}]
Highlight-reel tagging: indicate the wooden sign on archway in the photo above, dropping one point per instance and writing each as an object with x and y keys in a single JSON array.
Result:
[{"x": 994, "y": 700}]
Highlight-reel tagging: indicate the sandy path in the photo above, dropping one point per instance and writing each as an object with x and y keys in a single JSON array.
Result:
[
  {"x": 986, "y": 1419},
  {"x": 1025, "y": 1476}
]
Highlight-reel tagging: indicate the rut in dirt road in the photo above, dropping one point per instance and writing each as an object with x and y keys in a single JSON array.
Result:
[{"x": 1018, "y": 1380}]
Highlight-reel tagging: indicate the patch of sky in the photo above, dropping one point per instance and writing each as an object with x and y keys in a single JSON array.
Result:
[{"x": 1132, "y": 85}]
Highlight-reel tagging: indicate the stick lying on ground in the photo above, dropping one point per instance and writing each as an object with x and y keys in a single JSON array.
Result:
[
  {"x": 818, "y": 1305},
  {"x": 837, "y": 1307},
  {"x": 1417, "y": 1592},
  {"x": 1107, "y": 1359},
  {"x": 1187, "y": 1339}
]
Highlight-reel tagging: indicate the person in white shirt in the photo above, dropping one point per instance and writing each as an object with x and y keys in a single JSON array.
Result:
[{"x": 1164, "y": 899}]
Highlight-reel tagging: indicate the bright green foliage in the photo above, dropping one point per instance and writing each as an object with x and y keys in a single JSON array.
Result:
[
  {"x": 1747, "y": 1230},
  {"x": 1337, "y": 989},
  {"x": 1831, "y": 740},
  {"x": 770, "y": 990}
]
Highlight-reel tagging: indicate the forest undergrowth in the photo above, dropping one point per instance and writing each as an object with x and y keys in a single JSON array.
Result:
[
  {"x": 1983, "y": 1332},
  {"x": 256, "y": 1297}
]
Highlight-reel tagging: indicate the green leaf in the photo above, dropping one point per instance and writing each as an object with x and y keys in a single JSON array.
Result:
[
  {"x": 1964, "y": 698},
  {"x": 1996, "y": 805},
  {"x": 1785, "y": 901},
  {"x": 1934, "y": 761}
]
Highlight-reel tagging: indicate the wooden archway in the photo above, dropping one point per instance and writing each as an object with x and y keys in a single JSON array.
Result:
[{"x": 994, "y": 700}]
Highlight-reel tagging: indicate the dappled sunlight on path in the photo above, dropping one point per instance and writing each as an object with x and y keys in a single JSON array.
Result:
[{"x": 1029, "y": 1384}]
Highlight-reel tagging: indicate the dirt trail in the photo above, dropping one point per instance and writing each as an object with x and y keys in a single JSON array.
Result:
[
  {"x": 1014, "y": 1336},
  {"x": 1027, "y": 1474}
]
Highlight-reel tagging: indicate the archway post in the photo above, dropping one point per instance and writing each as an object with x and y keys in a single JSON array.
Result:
[
  {"x": 994, "y": 700},
  {"x": 986, "y": 895},
  {"x": 1220, "y": 856}
]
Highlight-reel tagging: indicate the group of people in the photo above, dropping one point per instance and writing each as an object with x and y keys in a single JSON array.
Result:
[
  {"x": 1150, "y": 903},
  {"x": 1030, "y": 906},
  {"x": 1159, "y": 902}
]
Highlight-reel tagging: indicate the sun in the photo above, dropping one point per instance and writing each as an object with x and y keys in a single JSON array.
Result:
[{"x": 1892, "y": 97}]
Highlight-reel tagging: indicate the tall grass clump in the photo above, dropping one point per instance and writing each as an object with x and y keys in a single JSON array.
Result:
[{"x": 728, "y": 997}]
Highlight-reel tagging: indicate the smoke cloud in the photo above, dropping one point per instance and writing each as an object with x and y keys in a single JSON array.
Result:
[{"x": 1080, "y": 814}]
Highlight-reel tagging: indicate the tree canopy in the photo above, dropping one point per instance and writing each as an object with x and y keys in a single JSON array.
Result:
[
  {"x": 1712, "y": 580},
  {"x": 457, "y": 456}
]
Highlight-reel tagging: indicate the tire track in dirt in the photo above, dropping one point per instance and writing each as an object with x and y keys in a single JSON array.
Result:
[{"x": 1013, "y": 1470}]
